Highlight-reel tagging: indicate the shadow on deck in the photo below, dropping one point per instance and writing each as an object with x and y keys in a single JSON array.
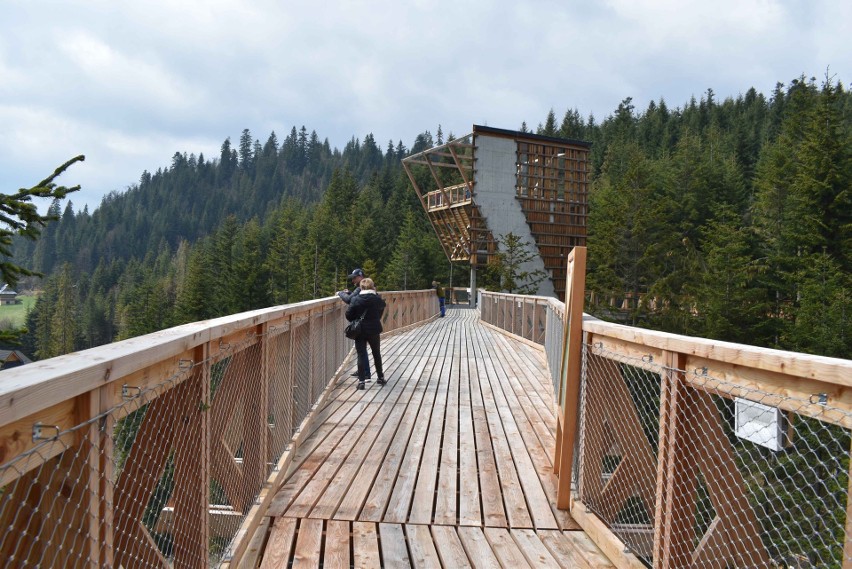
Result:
[{"x": 449, "y": 464}]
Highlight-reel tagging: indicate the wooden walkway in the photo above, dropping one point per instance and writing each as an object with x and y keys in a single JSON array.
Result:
[{"x": 449, "y": 464}]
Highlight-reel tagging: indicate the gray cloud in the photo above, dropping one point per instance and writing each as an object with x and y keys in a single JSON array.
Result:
[{"x": 129, "y": 84}]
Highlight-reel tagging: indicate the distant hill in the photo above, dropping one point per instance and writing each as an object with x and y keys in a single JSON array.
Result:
[{"x": 191, "y": 198}]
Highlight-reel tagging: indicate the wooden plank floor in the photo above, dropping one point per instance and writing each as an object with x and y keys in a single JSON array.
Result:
[{"x": 449, "y": 464}]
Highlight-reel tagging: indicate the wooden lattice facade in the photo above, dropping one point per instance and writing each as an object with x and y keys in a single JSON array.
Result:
[{"x": 464, "y": 184}]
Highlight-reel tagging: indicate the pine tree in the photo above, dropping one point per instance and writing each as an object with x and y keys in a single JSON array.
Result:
[
  {"x": 823, "y": 311},
  {"x": 227, "y": 164},
  {"x": 549, "y": 128},
  {"x": 65, "y": 317},
  {"x": 282, "y": 262},
  {"x": 194, "y": 300},
  {"x": 245, "y": 152},
  {"x": 730, "y": 301},
  {"x": 622, "y": 216},
  {"x": 505, "y": 270},
  {"x": 19, "y": 216},
  {"x": 405, "y": 271},
  {"x": 249, "y": 288}
]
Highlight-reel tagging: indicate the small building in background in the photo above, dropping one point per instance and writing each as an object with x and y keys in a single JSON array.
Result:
[
  {"x": 8, "y": 296},
  {"x": 12, "y": 358}
]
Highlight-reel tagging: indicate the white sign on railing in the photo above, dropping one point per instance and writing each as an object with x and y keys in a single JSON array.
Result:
[{"x": 760, "y": 424}]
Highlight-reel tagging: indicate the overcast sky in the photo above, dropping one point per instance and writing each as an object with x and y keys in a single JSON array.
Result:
[{"x": 128, "y": 84}]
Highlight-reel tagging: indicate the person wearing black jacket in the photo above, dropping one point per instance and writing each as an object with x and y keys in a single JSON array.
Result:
[
  {"x": 356, "y": 276},
  {"x": 371, "y": 306}
]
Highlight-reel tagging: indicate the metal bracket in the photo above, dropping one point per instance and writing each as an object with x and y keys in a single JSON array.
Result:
[
  {"x": 648, "y": 358},
  {"x": 37, "y": 430},
  {"x": 700, "y": 371},
  {"x": 125, "y": 391},
  {"x": 185, "y": 365},
  {"x": 821, "y": 399}
]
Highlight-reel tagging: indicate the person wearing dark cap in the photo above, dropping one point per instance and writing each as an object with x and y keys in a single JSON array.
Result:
[
  {"x": 369, "y": 307},
  {"x": 356, "y": 277}
]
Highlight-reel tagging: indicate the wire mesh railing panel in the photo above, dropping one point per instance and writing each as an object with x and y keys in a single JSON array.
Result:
[
  {"x": 786, "y": 469},
  {"x": 280, "y": 392},
  {"x": 618, "y": 445},
  {"x": 39, "y": 520},
  {"x": 329, "y": 332},
  {"x": 316, "y": 334},
  {"x": 553, "y": 344},
  {"x": 519, "y": 309},
  {"x": 688, "y": 469},
  {"x": 122, "y": 491},
  {"x": 302, "y": 373},
  {"x": 540, "y": 324}
]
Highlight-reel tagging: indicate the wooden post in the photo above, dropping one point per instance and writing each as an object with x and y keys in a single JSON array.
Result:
[
  {"x": 674, "y": 509},
  {"x": 192, "y": 467},
  {"x": 255, "y": 426},
  {"x": 89, "y": 406},
  {"x": 107, "y": 467},
  {"x": 572, "y": 355}
]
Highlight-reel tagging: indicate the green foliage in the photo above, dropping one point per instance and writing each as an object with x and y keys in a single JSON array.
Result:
[
  {"x": 19, "y": 216},
  {"x": 507, "y": 271},
  {"x": 406, "y": 270},
  {"x": 728, "y": 220}
]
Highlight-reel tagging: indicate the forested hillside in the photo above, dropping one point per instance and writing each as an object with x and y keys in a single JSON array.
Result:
[{"x": 730, "y": 219}]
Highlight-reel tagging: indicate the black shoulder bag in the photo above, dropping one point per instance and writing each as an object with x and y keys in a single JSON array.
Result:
[{"x": 353, "y": 329}]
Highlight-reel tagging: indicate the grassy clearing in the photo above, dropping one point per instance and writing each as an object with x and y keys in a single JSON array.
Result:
[{"x": 15, "y": 315}]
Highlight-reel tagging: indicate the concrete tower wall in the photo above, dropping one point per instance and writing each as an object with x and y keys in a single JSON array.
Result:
[{"x": 495, "y": 179}]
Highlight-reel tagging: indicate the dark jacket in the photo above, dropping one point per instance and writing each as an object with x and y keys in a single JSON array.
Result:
[
  {"x": 348, "y": 296},
  {"x": 372, "y": 306}
]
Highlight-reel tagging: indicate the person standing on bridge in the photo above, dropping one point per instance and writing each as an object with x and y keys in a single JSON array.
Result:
[
  {"x": 356, "y": 276},
  {"x": 369, "y": 305},
  {"x": 439, "y": 290}
]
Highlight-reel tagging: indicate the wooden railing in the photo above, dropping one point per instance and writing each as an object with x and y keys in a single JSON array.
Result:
[
  {"x": 698, "y": 453},
  {"x": 448, "y": 197},
  {"x": 164, "y": 450}
]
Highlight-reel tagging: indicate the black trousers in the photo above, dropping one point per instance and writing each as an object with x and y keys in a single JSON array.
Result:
[{"x": 363, "y": 362}]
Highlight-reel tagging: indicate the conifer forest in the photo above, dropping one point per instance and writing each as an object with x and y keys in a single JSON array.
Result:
[{"x": 734, "y": 216}]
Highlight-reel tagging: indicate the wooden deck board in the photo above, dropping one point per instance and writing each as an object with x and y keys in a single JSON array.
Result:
[
  {"x": 307, "y": 553},
  {"x": 448, "y": 465}
]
